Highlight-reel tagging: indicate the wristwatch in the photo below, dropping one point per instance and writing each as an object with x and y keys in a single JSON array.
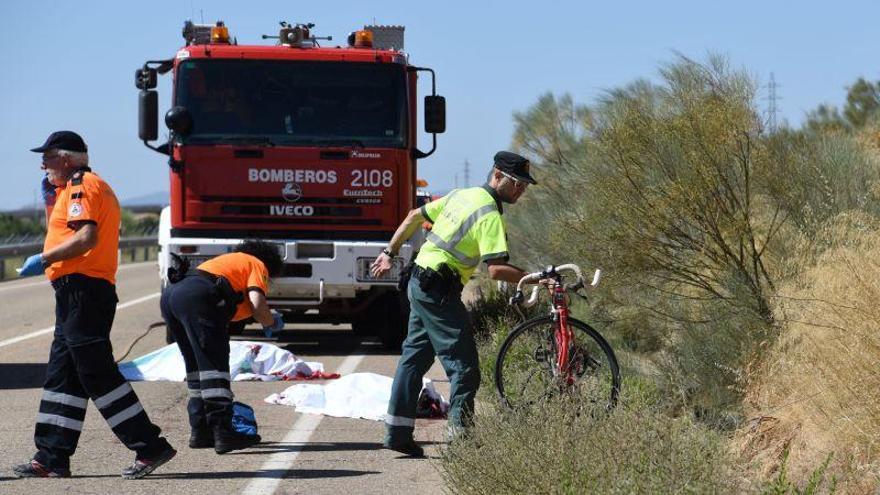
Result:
[
  {"x": 388, "y": 252},
  {"x": 45, "y": 264}
]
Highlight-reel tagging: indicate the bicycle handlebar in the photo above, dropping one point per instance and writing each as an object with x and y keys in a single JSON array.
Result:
[{"x": 551, "y": 271}]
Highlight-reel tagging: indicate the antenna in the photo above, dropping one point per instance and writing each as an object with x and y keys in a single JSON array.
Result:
[
  {"x": 772, "y": 103},
  {"x": 202, "y": 15},
  {"x": 467, "y": 173}
]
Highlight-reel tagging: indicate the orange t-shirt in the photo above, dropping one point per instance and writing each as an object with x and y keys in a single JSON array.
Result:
[
  {"x": 85, "y": 198},
  {"x": 244, "y": 273}
]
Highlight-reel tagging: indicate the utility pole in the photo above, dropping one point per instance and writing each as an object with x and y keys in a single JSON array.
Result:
[
  {"x": 772, "y": 103},
  {"x": 467, "y": 173},
  {"x": 456, "y": 182}
]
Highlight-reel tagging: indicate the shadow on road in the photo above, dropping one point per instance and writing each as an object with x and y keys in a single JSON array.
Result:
[
  {"x": 272, "y": 447},
  {"x": 329, "y": 342},
  {"x": 22, "y": 375},
  {"x": 269, "y": 473}
]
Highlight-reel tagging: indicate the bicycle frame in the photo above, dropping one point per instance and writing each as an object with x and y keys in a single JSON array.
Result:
[
  {"x": 572, "y": 360},
  {"x": 562, "y": 333}
]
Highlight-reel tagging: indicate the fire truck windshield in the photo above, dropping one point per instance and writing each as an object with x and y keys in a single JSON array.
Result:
[{"x": 294, "y": 102}]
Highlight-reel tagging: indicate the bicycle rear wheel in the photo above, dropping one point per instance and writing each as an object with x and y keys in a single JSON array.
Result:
[{"x": 526, "y": 372}]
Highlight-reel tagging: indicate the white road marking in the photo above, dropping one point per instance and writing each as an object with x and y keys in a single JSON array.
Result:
[
  {"x": 12, "y": 285},
  {"x": 37, "y": 333},
  {"x": 279, "y": 463}
]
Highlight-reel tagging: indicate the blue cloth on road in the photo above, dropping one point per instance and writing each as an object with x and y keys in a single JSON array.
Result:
[{"x": 243, "y": 419}]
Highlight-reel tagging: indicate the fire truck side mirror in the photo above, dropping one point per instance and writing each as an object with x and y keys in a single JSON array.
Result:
[
  {"x": 148, "y": 115},
  {"x": 145, "y": 78},
  {"x": 435, "y": 114},
  {"x": 179, "y": 120}
]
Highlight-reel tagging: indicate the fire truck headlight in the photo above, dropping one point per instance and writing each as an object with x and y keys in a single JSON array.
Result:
[{"x": 363, "y": 271}]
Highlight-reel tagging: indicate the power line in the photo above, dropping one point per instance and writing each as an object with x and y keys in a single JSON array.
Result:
[{"x": 772, "y": 103}]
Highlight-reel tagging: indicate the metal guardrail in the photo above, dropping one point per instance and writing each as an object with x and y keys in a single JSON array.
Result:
[
  {"x": 29, "y": 248},
  {"x": 23, "y": 249}
]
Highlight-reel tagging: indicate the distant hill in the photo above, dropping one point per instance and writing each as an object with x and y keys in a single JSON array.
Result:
[{"x": 157, "y": 198}]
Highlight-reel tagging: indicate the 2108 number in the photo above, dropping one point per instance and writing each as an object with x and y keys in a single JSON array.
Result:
[{"x": 371, "y": 178}]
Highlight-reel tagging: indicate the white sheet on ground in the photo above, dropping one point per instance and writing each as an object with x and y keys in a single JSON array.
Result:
[
  {"x": 247, "y": 361},
  {"x": 358, "y": 395}
]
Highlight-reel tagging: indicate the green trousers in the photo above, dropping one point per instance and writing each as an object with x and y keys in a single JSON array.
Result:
[{"x": 442, "y": 328}]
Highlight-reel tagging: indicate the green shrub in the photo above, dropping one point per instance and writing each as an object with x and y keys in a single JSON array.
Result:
[{"x": 562, "y": 446}]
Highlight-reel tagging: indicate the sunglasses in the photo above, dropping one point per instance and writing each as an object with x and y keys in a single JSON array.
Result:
[
  {"x": 516, "y": 182},
  {"x": 48, "y": 158}
]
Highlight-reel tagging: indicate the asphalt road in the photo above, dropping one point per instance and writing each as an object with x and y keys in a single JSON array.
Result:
[{"x": 300, "y": 453}]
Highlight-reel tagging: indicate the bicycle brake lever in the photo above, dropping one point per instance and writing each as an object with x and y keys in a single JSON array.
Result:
[{"x": 517, "y": 298}]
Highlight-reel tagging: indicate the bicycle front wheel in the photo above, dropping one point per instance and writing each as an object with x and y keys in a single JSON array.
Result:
[{"x": 526, "y": 371}]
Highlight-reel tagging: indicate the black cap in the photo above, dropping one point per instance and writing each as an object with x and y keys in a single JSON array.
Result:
[
  {"x": 63, "y": 140},
  {"x": 515, "y": 165}
]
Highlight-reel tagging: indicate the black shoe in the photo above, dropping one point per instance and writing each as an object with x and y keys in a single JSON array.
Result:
[
  {"x": 226, "y": 439},
  {"x": 409, "y": 448},
  {"x": 143, "y": 467},
  {"x": 34, "y": 469},
  {"x": 201, "y": 438}
]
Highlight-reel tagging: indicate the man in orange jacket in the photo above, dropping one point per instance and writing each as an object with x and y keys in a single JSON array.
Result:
[{"x": 80, "y": 257}]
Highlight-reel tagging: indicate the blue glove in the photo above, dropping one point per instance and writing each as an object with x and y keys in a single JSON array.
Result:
[
  {"x": 32, "y": 266},
  {"x": 276, "y": 326},
  {"x": 48, "y": 191}
]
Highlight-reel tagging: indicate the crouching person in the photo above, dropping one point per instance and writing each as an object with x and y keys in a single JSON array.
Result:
[{"x": 197, "y": 311}]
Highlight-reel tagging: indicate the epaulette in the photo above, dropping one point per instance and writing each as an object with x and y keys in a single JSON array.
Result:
[{"x": 77, "y": 177}]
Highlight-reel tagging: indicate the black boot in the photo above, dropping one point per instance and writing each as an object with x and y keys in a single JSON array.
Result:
[
  {"x": 201, "y": 438},
  {"x": 226, "y": 439}
]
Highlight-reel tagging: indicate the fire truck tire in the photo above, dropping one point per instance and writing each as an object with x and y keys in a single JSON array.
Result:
[
  {"x": 237, "y": 327},
  {"x": 169, "y": 337},
  {"x": 395, "y": 321}
]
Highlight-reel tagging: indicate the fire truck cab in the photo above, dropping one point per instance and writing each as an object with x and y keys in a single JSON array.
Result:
[{"x": 312, "y": 148}]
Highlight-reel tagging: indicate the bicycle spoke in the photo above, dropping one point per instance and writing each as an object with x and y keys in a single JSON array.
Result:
[{"x": 526, "y": 370}]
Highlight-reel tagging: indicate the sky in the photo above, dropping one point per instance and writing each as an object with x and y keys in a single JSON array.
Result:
[{"x": 70, "y": 65}]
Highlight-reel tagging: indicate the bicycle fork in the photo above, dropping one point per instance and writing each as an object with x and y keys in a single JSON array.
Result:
[{"x": 563, "y": 336}]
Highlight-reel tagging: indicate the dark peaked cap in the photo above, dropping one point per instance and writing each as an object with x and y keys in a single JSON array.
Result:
[
  {"x": 515, "y": 165},
  {"x": 63, "y": 140}
]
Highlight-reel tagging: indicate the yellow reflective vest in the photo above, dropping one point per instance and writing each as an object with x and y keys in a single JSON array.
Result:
[{"x": 467, "y": 229}]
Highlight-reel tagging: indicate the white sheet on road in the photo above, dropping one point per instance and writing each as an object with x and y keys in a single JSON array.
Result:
[
  {"x": 247, "y": 361},
  {"x": 358, "y": 395}
]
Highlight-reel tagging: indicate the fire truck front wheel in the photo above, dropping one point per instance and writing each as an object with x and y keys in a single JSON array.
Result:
[
  {"x": 387, "y": 319},
  {"x": 237, "y": 327}
]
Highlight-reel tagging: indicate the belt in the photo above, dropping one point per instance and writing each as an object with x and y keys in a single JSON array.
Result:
[
  {"x": 417, "y": 272},
  {"x": 430, "y": 278},
  {"x": 202, "y": 273},
  {"x": 68, "y": 279},
  {"x": 60, "y": 282}
]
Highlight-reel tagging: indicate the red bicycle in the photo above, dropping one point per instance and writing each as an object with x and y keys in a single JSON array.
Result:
[{"x": 555, "y": 353}]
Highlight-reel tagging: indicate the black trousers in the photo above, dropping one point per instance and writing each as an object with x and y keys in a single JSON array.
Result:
[
  {"x": 193, "y": 311},
  {"x": 81, "y": 367}
]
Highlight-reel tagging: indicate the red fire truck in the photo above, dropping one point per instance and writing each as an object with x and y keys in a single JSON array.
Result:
[{"x": 307, "y": 146}]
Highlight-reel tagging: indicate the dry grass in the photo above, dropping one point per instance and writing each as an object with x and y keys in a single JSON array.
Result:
[
  {"x": 819, "y": 388},
  {"x": 562, "y": 446}
]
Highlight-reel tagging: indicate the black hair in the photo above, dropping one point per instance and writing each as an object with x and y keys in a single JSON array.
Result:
[{"x": 265, "y": 252}]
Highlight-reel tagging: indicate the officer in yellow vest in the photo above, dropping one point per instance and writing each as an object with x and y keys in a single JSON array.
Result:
[{"x": 467, "y": 229}]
